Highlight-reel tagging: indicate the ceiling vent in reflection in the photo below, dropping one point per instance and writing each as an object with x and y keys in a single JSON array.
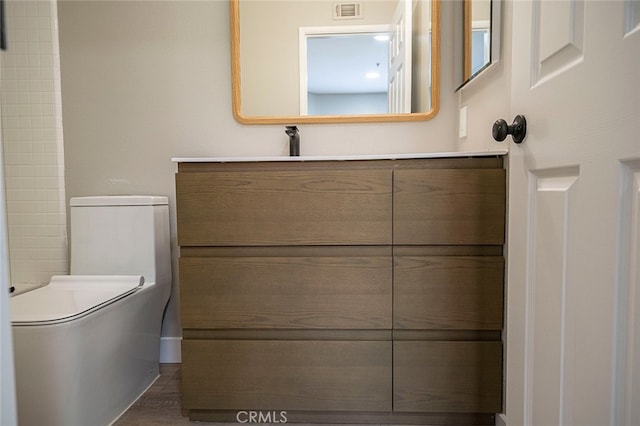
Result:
[{"x": 349, "y": 10}]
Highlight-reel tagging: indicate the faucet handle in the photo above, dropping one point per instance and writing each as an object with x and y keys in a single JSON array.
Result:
[
  {"x": 291, "y": 130},
  {"x": 294, "y": 140}
]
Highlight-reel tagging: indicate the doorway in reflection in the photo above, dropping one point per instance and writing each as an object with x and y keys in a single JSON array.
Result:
[
  {"x": 345, "y": 74},
  {"x": 480, "y": 47}
]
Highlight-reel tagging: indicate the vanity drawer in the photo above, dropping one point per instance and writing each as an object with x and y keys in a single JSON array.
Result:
[
  {"x": 286, "y": 375},
  {"x": 286, "y": 292},
  {"x": 448, "y": 292},
  {"x": 449, "y": 206},
  {"x": 286, "y": 207},
  {"x": 449, "y": 377}
]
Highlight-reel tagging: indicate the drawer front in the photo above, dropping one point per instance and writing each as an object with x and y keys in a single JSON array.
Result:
[
  {"x": 286, "y": 375},
  {"x": 449, "y": 206},
  {"x": 451, "y": 377},
  {"x": 317, "y": 207},
  {"x": 448, "y": 292},
  {"x": 286, "y": 292}
]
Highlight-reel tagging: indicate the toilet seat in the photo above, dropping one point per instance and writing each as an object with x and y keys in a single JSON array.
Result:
[{"x": 68, "y": 297}]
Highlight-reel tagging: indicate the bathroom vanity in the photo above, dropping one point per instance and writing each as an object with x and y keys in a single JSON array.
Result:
[{"x": 342, "y": 290}]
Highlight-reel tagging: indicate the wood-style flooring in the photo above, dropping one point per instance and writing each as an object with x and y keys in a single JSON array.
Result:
[{"x": 161, "y": 404}]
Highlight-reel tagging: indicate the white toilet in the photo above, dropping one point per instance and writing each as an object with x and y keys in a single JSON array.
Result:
[{"x": 87, "y": 344}]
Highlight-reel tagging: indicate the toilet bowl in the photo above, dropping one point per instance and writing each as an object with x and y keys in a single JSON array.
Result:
[{"x": 86, "y": 345}]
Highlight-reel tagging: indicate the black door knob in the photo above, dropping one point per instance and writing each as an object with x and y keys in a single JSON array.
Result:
[{"x": 518, "y": 130}]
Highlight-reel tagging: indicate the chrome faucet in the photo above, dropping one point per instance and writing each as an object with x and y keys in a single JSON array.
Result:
[{"x": 294, "y": 140}]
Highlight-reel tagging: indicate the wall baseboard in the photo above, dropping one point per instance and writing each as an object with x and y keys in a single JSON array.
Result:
[{"x": 170, "y": 350}]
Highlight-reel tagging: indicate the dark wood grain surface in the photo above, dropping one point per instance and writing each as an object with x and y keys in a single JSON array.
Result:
[
  {"x": 323, "y": 207},
  {"x": 447, "y": 377},
  {"x": 286, "y": 375},
  {"x": 448, "y": 292},
  {"x": 286, "y": 292},
  {"x": 449, "y": 206}
]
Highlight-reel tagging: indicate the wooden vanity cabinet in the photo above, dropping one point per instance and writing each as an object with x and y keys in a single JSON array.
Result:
[
  {"x": 448, "y": 232},
  {"x": 289, "y": 375},
  {"x": 449, "y": 206},
  {"x": 447, "y": 376},
  {"x": 448, "y": 292},
  {"x": 284, "y": 207},
  {"x": 351, "y": 291},
  {"x": 287, "y": 292}
]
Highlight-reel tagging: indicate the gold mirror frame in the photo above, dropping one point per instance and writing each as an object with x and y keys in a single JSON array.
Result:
[
  {"x": 467, "y": 33},
  {"x": 234, "y": 12}
]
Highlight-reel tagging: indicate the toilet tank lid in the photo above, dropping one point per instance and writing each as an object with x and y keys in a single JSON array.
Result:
[{"x": 119, "y": 200}]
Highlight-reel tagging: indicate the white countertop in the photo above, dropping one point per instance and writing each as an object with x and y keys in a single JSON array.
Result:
[{"x": 453, "y": 154}]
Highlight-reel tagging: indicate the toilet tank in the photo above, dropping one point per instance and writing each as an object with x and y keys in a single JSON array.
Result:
[{"x": 121, "y": 235}]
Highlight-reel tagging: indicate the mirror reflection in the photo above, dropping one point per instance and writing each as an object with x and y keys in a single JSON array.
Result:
[
  {"x": 477, "y": 36},
  {"x": 480, "y": 36},
  {"x": 326, "y": 61},
  {"x": 347, "y": 73}
]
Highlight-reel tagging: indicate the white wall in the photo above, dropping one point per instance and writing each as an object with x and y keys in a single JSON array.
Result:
[
  {"x": 145, "y": 81},
  {"x": 33, "y": 150}
]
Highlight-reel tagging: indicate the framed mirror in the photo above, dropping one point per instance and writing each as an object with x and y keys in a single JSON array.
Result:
[
  {"x": 480, "y": 37},
  {"x": 326, "y": 61}
]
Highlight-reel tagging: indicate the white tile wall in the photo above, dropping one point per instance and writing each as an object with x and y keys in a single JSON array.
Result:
[{"x": 33, "y": 144}]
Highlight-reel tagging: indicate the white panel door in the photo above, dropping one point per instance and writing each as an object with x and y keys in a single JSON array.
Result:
[
  {"x": 573, "y": 294},
  {"x": 399, "y": 92}
]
